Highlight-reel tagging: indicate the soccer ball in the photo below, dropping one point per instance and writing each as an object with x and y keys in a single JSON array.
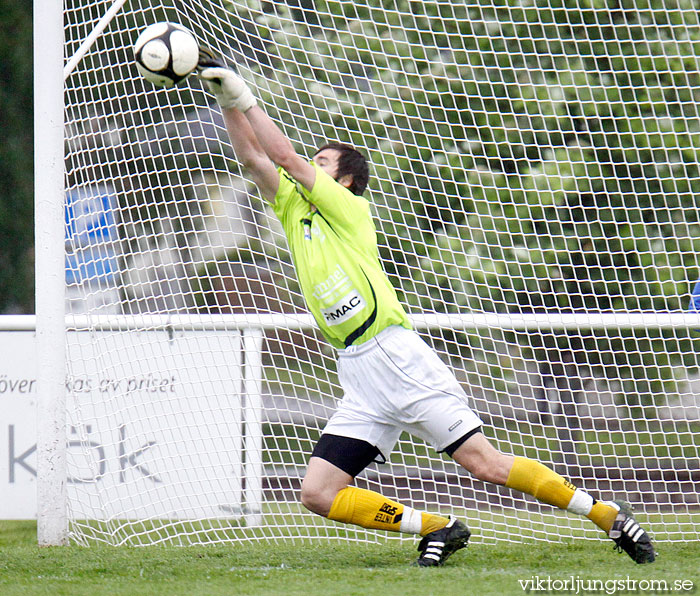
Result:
[{"x": 166, "y": 53}]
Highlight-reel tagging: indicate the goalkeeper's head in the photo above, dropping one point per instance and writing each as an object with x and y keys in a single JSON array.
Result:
[{"x": 345, "y": 164}]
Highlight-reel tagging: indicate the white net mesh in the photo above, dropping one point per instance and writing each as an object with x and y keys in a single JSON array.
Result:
[{"x": 524, "y": 160}]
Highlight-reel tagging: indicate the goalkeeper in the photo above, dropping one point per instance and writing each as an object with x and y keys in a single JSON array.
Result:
[{"x": 393, "y": 381}]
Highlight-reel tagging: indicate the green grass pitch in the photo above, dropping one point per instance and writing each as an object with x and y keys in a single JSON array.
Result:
[{"x": 340, "y": 568}]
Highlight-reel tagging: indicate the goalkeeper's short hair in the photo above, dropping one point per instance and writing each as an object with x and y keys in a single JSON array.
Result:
[{"x": 350, "y": 161}]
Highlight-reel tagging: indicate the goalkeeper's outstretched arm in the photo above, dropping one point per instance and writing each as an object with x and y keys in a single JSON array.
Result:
[{"x": 257, "y": 141}]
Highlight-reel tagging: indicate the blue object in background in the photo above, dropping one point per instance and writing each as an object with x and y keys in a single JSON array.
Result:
[
  {"x": 694, "y": 305},
  {"x": 89, "y": 216},
  {"x": 93, "y": 266},
  {"x": 91, "y": 229}
]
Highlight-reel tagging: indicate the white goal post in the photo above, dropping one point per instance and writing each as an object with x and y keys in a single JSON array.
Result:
[
  {"x": 533, "y": 184},
  {"x": 49, "y": 188}
]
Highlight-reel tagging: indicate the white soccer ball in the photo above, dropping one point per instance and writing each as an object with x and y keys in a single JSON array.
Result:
[{"x": 166, "y": 53}]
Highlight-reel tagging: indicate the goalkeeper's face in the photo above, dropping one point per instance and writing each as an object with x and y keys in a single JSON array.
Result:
[
  {"x": 345, "y": 165},
  {"x": 327, "y": 160}
]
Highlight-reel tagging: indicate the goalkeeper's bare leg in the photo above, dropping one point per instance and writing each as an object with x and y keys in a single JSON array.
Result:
[
  {"x": 326, "y": 491},
  {"x": 484, "y": 461}
]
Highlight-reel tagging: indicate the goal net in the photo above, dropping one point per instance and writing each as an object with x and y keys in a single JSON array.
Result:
[{"x": 534, "y": 175}]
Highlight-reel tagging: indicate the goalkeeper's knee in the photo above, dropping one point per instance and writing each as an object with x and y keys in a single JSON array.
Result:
[{"x": 318, "y": 498}]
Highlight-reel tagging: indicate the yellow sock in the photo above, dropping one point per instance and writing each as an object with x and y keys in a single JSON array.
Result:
[
  {"x": 602, "y": 515},
  {"x": 367, "y": 509},
  {"x": 532, "y": 477},
  {"x": 431, "y": 522},
  {"x": 371, "y": 510}
]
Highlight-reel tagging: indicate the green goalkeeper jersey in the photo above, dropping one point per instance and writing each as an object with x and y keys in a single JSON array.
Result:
[{"x": 333, "y": 242}]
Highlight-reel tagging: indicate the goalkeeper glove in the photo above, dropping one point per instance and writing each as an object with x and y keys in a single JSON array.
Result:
[{"x": 230, "y": 90}]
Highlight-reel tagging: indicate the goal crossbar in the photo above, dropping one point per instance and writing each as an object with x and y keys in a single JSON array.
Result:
[{"x": 423, "y": 321}]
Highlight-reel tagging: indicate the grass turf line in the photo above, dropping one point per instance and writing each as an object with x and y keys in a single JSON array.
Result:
[{"x": 307, "y": 569}]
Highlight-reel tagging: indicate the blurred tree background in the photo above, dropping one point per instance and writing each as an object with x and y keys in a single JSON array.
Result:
[
  {"x": 16, "y": 159},
  {"x": 525, "y": 158}
]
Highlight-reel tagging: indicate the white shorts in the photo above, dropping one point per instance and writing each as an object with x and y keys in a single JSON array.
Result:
[{"x": 396, "y": 382}]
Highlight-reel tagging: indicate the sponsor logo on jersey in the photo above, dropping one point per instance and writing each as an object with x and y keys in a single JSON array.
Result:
[
  {"x": 346, "y": 308},
  {"x": 334, "y": 283}
]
